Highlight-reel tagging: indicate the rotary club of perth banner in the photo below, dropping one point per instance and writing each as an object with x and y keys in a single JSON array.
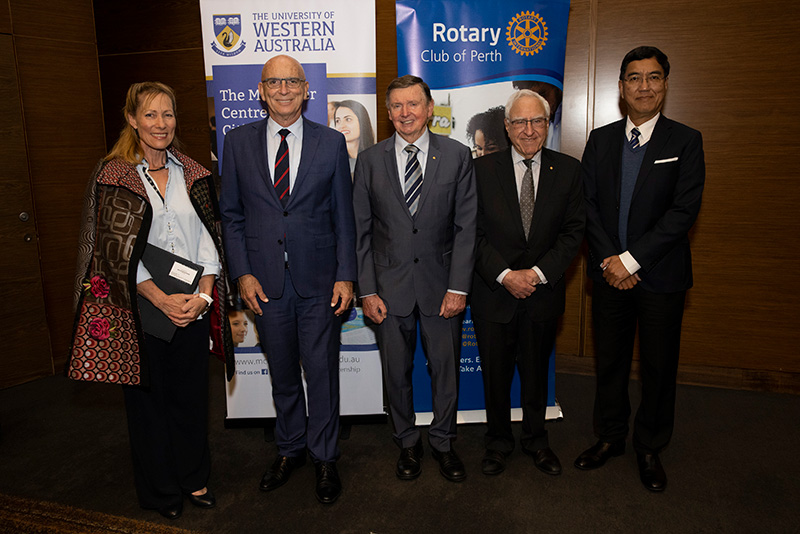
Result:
[
  {"x": 473, "y": 54},
  {"x": 334, "y": 40}
]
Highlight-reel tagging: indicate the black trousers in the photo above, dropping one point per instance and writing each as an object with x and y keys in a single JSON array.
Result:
[
  {"x": 526, "y": 345},
  {"x": 168, "y": 421},
  {"x": 616, "y": 314}
]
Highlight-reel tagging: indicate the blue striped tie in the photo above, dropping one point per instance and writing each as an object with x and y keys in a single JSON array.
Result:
[
  {"x": 635, "y": 133},
  {"x": 413, "y": 179}
]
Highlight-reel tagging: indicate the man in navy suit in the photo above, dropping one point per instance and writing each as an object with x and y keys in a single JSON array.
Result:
[
  {"x": 530, "y": 227},
  {"x": 289, "y": 234},
  {"x": 643, "y": 182},
  {"x": 415, "y": 204}
]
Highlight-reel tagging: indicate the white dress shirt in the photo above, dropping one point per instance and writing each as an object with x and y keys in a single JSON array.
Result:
[{"x": 519, "y": 173}]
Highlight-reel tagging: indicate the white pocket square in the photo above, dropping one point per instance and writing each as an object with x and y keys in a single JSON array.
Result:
[{"x": 668, "y": 160}]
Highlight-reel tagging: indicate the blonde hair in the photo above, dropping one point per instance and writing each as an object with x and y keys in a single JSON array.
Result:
[{"x": 127, "y": 147}]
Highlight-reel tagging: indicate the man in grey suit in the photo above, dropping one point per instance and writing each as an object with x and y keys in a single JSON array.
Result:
[{"x": 415, "y": 207}]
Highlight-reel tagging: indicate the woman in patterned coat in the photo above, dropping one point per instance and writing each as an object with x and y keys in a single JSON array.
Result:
[{"x": 147, "y": 193}]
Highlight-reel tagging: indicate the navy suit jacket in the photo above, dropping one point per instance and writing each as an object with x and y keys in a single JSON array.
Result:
[
  {"x": 665, "y": 203},
  {"x": 415, "y": 260},
  {"x": 554, "y": 240},
  {"x": 316, "y": 227}
]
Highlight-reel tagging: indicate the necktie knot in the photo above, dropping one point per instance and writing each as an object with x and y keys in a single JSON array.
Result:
[
  {"x": 283, "y": 133},
  {"x": 412, "y": 150},
  {"x": 528, "y": 162},
  {"x": 635, "y": 133}
]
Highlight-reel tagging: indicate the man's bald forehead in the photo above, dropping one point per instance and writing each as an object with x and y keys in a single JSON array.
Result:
[{"x": 282, "y": 66}]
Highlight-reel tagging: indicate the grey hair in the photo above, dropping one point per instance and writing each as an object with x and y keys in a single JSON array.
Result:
[{"x": 522, "y": 93}]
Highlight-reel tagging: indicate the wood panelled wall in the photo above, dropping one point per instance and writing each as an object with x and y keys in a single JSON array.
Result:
[
  {"x": 54, "y": 53},
  {"x": 732, "y": 78}
]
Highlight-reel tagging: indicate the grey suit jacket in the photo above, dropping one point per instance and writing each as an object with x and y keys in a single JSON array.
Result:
[{"x": 406, "y": 260}]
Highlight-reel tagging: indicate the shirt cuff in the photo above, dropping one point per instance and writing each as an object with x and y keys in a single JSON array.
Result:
[
  {"x": 542, "y": 277},
  {"x": 502, "y": 276},
  {"x": 629, "y": 262},
  {"x": 457, "y": 292},
  {"x": 142, "y": 274}
]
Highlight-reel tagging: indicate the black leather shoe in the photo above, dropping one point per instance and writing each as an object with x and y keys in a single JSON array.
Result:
[
  {"x": 329, "y": 487},
  {"x": 409, "y": 465},
  {"x": 651, "y": 472},
  {"x": 598, "y": 454},
  {"x": 546, "y": 460},
  {"x": 493, "y": 463},
  {"x": 206, "y": 500},
  {"x": 450, "y": 465},
  {"x": 277, "y": 475},
  {"x": 172, "y": 512}
]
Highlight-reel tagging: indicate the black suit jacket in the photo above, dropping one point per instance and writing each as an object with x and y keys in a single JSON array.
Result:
[
  {"x": 665, "y": 203},
  {"x": 555, "y": 237}
]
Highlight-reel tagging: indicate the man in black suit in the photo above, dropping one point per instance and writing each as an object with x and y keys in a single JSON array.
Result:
[
  {"x": 530, "y": 227},
  {"x": 643, "y": 181},
  {"x": 415, "y": 205}
]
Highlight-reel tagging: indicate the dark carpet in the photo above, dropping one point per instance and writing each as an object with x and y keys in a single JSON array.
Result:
[
  {"x": 733, "y": 466},
  {"x": 26, "y": 516}
]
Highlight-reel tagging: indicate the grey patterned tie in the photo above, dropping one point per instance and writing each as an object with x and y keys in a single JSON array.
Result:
[
  {"x": 413, "y": 179},
  {"x": 527, "y": 195}
]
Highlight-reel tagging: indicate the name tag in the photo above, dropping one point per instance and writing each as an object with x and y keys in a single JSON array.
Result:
[{"x": 182, "y": 272}]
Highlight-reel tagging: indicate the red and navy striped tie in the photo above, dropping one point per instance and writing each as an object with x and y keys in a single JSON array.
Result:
[{"x": 281, "y": 174}]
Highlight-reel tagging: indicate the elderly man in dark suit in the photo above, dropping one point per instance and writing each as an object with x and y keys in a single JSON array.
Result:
[
  {"x": 415, "y": 204},
  {"x": 289, "y": 234},
  {"x": 643, "y": 179},
  {"x": 530, "y": 227}
]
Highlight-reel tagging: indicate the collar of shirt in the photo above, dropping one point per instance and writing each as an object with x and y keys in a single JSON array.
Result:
[
  {"x": 423, "y": 143},
  {"x": 519, "y": 169},
  {"x": 145, "y": 165},
  {"x": 295, "y": 142},
  {"x": 645, "y": 129}
]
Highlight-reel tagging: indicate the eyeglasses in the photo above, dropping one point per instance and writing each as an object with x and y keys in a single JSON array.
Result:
[
  {"x": 291, "y": 83},
  {"x": 652, "y": 79},
  {"x": 520, "y": 124}
]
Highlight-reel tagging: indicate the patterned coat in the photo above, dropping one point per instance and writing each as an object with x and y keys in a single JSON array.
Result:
[{"x": 107, "y": 336}]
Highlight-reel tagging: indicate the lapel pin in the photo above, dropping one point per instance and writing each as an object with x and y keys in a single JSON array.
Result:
[{"x": 551, "y": 167}]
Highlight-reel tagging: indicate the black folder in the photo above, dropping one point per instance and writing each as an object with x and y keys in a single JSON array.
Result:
[{"x": 172, "y": 274}]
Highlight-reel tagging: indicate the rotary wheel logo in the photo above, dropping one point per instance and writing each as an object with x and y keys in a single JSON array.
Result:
[{"x": 526, "y": 33}]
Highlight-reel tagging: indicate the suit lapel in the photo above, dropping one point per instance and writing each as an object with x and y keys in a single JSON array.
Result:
[
  {"x": 661, "y": 134},
  {"x": 547, "y": 181},
  {"x": 390, "y": 161},
  {"x": 429, "y": 176},
  {"x": 617, "y": 145},
  {"x": 307, "y": 153},
  {"x": 262, "y": 163},
  {"x": 507, "y": 187}
]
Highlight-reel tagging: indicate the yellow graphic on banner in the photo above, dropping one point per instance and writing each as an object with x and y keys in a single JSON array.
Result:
[
  {"x": 442, "y": 120},
  {"x": 527, "y": 33}
]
